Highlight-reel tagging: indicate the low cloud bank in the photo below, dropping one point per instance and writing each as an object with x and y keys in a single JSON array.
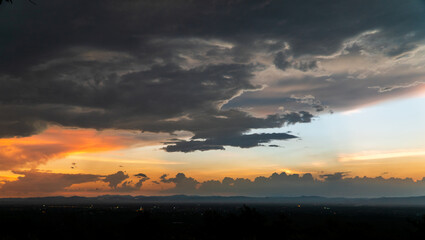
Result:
[
  {"x": 332, "y": 185},
  {"x": 337, "y": 184}
]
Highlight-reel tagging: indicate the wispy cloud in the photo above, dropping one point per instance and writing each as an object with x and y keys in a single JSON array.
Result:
[{"x": 377, "y": 155}]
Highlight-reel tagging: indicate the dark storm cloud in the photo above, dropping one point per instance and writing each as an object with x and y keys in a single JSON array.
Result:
[
  {"x": 281, "y": 61},
  {"x": 305, "y": 102},
  {"x": 166, "y": 66},
  {"x": 310, "y": 27},
  {"x": 228, "y": 131},
  {"x": 284, "y": 62},
  {"x": 128, "y": 102},
  {"x": 340, "y": 92},
  {"x": 283, "y": 184},
  {"x": 243, "y": 141}
]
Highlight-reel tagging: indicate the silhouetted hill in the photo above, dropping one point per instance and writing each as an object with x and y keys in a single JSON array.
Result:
[{"x": 310, "y": 200}]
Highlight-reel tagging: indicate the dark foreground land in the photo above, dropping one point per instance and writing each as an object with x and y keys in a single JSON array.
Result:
[{"x": 210, "y": 221}]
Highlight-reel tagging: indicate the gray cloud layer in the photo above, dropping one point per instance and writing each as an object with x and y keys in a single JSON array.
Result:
[
  {"x": 335, "y": 185},
  {"x": 166, "y": 66},
  {"x": 44, "y": 182},
  {"x": 338, "y": 184},
  {"x": 38, "y": 182}
]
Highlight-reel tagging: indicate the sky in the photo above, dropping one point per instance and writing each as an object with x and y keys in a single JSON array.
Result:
[{"x": 253, "y": 98}]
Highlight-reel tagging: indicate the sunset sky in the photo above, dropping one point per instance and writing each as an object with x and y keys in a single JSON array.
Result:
[{"x": 255, "y": 98}]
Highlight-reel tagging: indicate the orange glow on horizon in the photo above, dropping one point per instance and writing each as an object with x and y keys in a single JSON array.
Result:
[{"x": 57, "y": 142}]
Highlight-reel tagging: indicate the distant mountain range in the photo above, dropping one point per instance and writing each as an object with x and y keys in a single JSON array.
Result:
[{"x": 178, "y": 199}]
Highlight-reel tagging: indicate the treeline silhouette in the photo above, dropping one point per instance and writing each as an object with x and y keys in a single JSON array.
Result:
[{"x": 194, "y": 221}]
